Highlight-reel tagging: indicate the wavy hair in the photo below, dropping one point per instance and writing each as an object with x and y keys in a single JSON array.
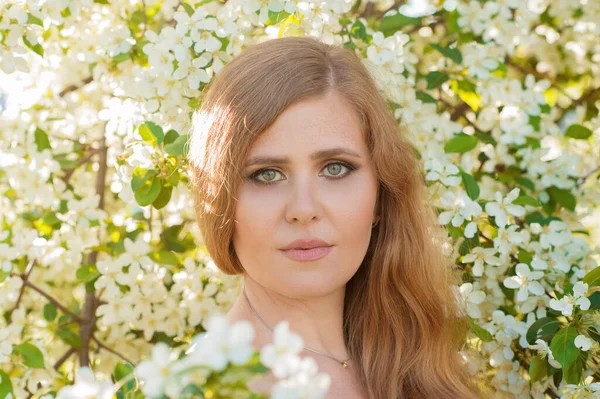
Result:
[{"x": 402, "y": 321}]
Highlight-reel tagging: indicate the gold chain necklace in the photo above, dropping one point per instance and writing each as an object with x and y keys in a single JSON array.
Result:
[{"x": 343, "y": 363}]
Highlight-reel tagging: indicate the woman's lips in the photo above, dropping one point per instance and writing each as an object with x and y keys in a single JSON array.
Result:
[{"x": 307, "y": 255}]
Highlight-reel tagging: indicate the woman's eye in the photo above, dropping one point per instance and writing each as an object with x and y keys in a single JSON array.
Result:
[
  {"x": 268, "y": 175},
  {"x": 334, "y": 170}
]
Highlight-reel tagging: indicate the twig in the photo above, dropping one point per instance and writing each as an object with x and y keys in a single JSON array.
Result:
[
  {"x": 459, "y": 111},
  {"x": 510, "y": 62},
  {"x": 86, "y": 158},
  {"x": 581, "y": 180},
  {"x": 551, "y": 393},
  {"x": 64, "y": 358},
  {"x": 585, "y": 97},
  {"x": 101, "y": 345},
  {"x": 71, "y": 88},
  {"x": 24, "y": 277},
  {"x": 492, "y": 241},
  {"x": 49, "y": 297}
]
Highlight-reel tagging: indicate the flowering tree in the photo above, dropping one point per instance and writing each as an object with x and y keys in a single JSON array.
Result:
[{"x": 104, "y": 283}]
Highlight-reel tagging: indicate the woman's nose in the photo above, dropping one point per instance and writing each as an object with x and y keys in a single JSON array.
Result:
[{"x": 304, "y": 202}]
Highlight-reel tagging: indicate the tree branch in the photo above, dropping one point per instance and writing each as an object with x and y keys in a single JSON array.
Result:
[
  {"x": 590, "y": 94},
  {"x": 64, "y": 358},
  {"x": 85, "y": 159},
  {"x": 510, "y": 62},
  {"x": 71, "y": 88},
  {"x": 49, "y": 297},
  {"x": 370, "y": 10},
  {"x": 86, "y": 329},
  {"x": 581, "y": 180},
  {"x": 101, "y": 345},
  {"x": 24, "y": 277}
]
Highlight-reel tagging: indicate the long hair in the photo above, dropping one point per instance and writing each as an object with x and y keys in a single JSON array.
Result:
[{"x": 402, "y": 322}]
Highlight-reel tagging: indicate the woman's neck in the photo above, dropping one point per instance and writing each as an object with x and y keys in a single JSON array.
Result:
[{"x": 318, "y": 320}]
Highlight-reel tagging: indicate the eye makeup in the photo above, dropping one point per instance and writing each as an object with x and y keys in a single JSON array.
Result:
[{"x": 254, "y": 175}]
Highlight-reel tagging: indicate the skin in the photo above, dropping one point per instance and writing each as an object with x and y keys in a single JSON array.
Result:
[{"x": 332, "y": 198}]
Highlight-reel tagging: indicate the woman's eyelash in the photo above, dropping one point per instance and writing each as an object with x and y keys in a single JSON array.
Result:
[{"x": 351, "y": 168}]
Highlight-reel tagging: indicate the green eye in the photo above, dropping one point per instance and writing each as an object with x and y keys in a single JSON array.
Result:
[
  {"x": 268, "y": 175},
  {"x": 335, "y": 170}
]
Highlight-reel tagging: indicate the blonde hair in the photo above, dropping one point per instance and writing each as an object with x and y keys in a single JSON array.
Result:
[{"x": 401, "y": 323}]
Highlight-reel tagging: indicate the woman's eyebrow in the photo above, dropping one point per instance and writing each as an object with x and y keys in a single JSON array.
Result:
[{"x": 269, "y": 160}]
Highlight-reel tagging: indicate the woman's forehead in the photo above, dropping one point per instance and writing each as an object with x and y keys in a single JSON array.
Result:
[{"x": 312, "y": 125}]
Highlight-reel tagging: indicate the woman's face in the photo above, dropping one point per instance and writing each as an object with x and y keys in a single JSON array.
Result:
[{"x": 309, "y": 176}]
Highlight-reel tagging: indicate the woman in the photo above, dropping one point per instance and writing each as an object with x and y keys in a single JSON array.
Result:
[{"x": 305, "y": 185}]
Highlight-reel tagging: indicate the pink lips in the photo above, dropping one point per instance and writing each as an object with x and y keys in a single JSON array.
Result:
[
  {"x": 307, "y": 250},
  {"x": 307, "y": 255}
]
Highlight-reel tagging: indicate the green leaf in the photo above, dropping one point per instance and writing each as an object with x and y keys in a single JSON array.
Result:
[
  {"x": 122, "y": 370},
  {"x": 177, "y": 147},
  {"x": 526, "y": 200},
  {"x": 392, "y": 23},
  {"x": 479, "y": 331},
  {"x": 141, "y": 176},
  {"x": 452, "y": 18},
  {"x": 538, "y": 369},
  {"x": 31, "y": 354},
  {"x": 359, "y": 31},
  {"x": 435, "y": 79},
  {"x": 525, "y": 183},
  {"x": 563, "y": 197},
  {"x": 276, "y": 17},
  {"x": 485, "y": 138},
  {"x": 573, "y": 373},
  {"x": 523, "y": 256},
  {"x": 188, "y": 8},
  {"x": 577, "y": 131},
  {"x": 595, "y": 300},
  {"x": 535, "y": 122},
  {"x": 425, "y": 98},
  {"x": 148, "y": 192},
  {"x": 500, "y": 71},
  {"x": 593, "y": 332},
  {"x": 41, "y": 140},
  {"x": 152, "y": 133},
  {"x": 545, "y": 108},
  {"x": 546, "y": 326},
  {"x": 557, "y": 378},
  {"x": 350, "y": 46},
  {"x": 164, "y": 257},
  {"x": 121, "y": 57},
  {"x": 461, "y": 143},
  {"x": 163, "y": 198},
  {"x": 69, "y": 337},
  {"x": 49, "y": 312},
  {"x": 563, "y": 346},
  {"x": 170, "y": 238},
  {"x": 170, "y": 136},
  {"x": 448, "y": 52},
  {"x": 5, "y": 385},
  {"x": 87, "y": 273},
  {"x": 467, "y": 91},
  {"x": 592, "y": 277},
  {"x": 36, "y": 48},
  {"x": 64, "y": 162},
  {"x": 471, "y": 185},
  {"x": 34, "y": 20}
]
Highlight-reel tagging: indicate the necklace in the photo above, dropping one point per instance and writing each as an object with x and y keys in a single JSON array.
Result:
[{"x": 343, "y": 363}]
